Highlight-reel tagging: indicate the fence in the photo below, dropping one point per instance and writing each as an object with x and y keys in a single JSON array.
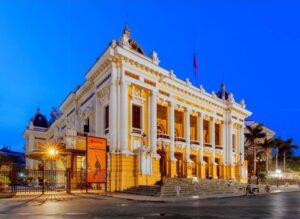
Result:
[{"x": 19, "y": 180}]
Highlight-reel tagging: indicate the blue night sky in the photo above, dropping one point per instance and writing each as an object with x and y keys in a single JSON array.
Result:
[{"x": 253, "y": 46}]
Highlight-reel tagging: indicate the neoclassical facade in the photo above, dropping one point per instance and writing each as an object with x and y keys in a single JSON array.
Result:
[{"x": 156, "y": 125}]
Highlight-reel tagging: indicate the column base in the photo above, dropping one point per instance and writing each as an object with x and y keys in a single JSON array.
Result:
[
  {"x": 172, "y": 168},
  {"x": 201, "y": 170},
  {"x": 214, "y": 171}
]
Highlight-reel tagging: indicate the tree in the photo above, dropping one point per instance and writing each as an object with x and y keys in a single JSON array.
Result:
[
  {"x": 267, "y": 145},
  {"x": 286, "y": 149},
  {"x": 254, "y": 135}
]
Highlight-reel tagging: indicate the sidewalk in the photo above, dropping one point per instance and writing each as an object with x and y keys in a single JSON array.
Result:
[
  {"x": 120, "y": 195},
  {"x": 274, "y": 190}
]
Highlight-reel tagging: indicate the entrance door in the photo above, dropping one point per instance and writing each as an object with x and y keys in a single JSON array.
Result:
[
  {"x": 194, "y": 165},
  {"x": 162, "y": 163},
  {"x": 179, "y": 165},
  {"x": 205, "y": 159}
]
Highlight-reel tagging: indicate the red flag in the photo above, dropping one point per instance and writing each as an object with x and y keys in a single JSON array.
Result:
[{"x": 195, "y": 67}]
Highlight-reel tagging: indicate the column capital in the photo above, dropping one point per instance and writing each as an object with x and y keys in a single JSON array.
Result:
[
  {"x": 188, "y": 110},
  {"x": 154, "y": 93},
  {"x": 124, "y": 82},
  {"x": 172, "y": 104}
]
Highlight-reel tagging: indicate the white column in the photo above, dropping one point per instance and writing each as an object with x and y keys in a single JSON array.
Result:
[
  {"x": 201, "y": 137},
  {"x": 229, "y": 136},
  {"x": 171, "y": 128},
  {"x": 124, "y": 116},
  {"x": 97, "y": 117},
  {"x": 187, "y": 134},
  {"x": 224, "y": 145},
  {"x": 153, "y": 131},
  {"x": 77, "y": 119},
  {"x": 213, "y": 139},
  {"x": 242, "y": 144},
  {"x": 101, "y": 118},
  {"x": 113, "y": 117}
]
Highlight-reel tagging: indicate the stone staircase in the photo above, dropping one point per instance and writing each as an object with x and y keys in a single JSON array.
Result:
[
  {"x": 144, "y": 190},
  {"x": 189, "y": 187}
]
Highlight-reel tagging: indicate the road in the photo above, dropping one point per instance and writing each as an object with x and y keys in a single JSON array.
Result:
[{"x": 282, "y": 205}]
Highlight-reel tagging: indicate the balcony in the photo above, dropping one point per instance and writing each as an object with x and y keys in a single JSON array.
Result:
[
  {"x": 163, "y": 135},
  {"x": 136, "y": 131},
  {"x": 195, "y": 142},
  {"x": 208, "y": 145},
  {"x": 180, "y": 139},
  {"x": 219, "y": 147},
  {"x": 195, "y": 145}
]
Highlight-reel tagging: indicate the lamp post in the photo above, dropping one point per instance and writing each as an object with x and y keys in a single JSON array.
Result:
[
  {"x": 51, "y": 154},
  {"x": 278, "y": 172}
]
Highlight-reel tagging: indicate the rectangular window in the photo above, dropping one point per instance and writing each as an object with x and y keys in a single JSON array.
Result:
[
  {"x": 136, "y": 119},
  {"x": 86, "y": 127},
  {"x": 106, "y": 120},
  {"x": 80, "y": 163}
]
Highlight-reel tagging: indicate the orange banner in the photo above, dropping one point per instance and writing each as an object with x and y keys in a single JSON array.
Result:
[{"x": 96, "y": 159}]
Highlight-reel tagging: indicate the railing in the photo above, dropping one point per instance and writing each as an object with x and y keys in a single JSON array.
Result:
[
  {"x": 136, "y": 131},
  {"x": 163, "y": 135},
  {"x": 180, "y": 139},
  {"x": 195, "y": 142},
  {"x": 20, "y": 180},
  {"x": 219, "y": 147},
  {"x": 82, "y": 134}
]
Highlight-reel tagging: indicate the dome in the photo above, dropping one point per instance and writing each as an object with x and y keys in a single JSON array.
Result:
[
  {"x": 39, "y": 120},
  {"x": 223, "y": 94}
]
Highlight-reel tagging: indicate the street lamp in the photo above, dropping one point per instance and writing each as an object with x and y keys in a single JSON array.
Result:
[
  {"x": 51, "y": 152},
  {"x": 278, "y": 172}
]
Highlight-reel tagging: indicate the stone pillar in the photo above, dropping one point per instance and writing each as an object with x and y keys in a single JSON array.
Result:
[
  {"x": 113, "y": 117},
  {"x": 172, "y": 161},
  {"x": 201, "y": 140},
  {"x": 77, "y": 119},
  {"x": 187, "y": 134},
  {"x": 201, "y": 152},
  {"x": 213, "y": 145},
  {"x": 243, "y": 178},
  {"x": 124, "y": 117},
  {"x": 224, "y": 145},
  {"x": 153, "y": 132},
  {"x": 242, "y": 143},
  {"x": 213, "y": 139},
  {"x": 230, "y": 147},
  {"x": 172, "y": 130},
  {"x": 188, "y": 143},
  {"x": 97, "y": 117}
]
